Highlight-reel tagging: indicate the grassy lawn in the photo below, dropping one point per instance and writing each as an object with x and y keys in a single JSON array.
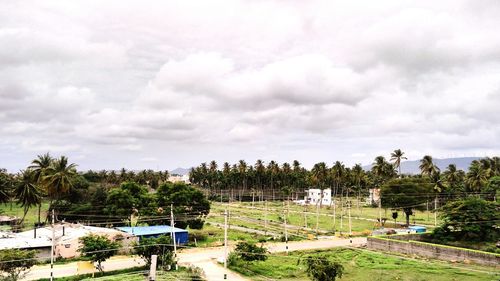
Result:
[
  {"x": 243, "y": 214},
  {"x": 365, "y": 265},
  {"x": 181, "y": 274},
  {"x": 214, "y": 236},
  {"x": 31, "y": 216}
]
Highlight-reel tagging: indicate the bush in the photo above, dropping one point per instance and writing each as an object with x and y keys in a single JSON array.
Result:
[
  {"x": 198, "y": 235},
  {"x": 250, "y": 252}
]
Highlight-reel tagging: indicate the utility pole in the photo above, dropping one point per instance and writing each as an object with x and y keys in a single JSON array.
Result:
[
  {"x": 265, "y": 218},
  {"x": 225, "y": 238},
  {"x": 435, "y": 210},
  {"x": 350, "y": 226},
  {"x": 53, "y": 247},
  {"x": 172, "y": 224},
  {"x": 305, "y": 215},
  {"x": 285, "y": 213},
  {"x": 380, "y": 210},
  {"x": 152, "y": 268},
  {"x": 317, "y": 217},
  {"x": 334, "y": 215}
]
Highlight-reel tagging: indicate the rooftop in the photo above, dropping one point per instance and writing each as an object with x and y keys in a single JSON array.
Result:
[{"x": 150, "y": 230}]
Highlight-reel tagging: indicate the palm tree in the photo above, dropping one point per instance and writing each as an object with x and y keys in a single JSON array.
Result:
[
  {"x": 319, "y": 175},
  {"x": 477, "y": 176},
  {"x": 58, "y": 177},
  {"x": 427, "y": 166},
  {"x": 453, "y": 177},
  {"x": 39, "y": 167},
  {"x": 5, "y": 186},
  {"x": 397, "y": 156},
  {"x": 27, "y": 192}
]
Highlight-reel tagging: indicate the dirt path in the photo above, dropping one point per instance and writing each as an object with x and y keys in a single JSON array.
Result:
[{"x": 204, "y": 258}]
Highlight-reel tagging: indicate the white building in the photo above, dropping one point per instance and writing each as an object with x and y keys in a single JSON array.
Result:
[
  {"x": 313, "y": 197},
  {"x": 374, "y": 196},
  {"x": 179, "y": 178}
]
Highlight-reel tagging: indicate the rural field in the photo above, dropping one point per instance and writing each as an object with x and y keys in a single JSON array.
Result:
[
  {"x": 360, "y": 264},
  {"x": 302, "y": 219}
]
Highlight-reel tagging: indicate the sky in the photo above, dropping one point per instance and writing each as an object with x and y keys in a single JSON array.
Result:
[{"x": 166, "y": 84}]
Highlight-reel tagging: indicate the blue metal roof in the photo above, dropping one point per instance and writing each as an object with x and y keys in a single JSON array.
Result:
[
  {"x": 150, "y": 230},
  {"x": 417, "y": 227}
]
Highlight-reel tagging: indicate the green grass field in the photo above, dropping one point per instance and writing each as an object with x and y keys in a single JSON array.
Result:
[
  {"x": 243, "y": 214},
  {"x": 362, "y": 265},
  {"x": 18, "y": 211}
]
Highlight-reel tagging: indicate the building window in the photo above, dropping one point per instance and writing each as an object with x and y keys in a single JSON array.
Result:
[{"x": 67, "y": 246}]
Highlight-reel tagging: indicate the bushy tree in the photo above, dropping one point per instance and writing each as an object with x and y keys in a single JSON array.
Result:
[
  {"x": 15, "y": 263},
  {"x": 250, "y": 252},
  {"x": 188, "y": 201},
  {"x": 160, "y": 246},
  {"x": 406, "y": 194},
  {"x": 98, "y": 248},
  {"x": 320, "y": 268},
  {"x": 470, "y": 219}
]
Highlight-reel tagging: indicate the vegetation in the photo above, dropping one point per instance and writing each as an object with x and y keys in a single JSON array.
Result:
[
  {"x": 160, "y": 246},
  {"x": 320, "y": 268},
  {"x": 406, "y": 194},
  {"x": 471, "y": 219},
  {"x": 248, "y": 252},
  {"x": 98, "y": 248},
  {"x": 15, "y": 263},
  {"x": 363, "y": 265}
]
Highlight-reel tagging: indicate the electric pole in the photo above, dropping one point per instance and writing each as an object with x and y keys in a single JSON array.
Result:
[
  {"x": 52, "y": 247},
  {"x": 225, "y": 238},
  {"x": 350, "y": 226},
  {"x": 172, "y": 224},
  {"x": 317, "y": 217},
  {"x": 285, "y": 213},
  {"x": 435, "y": 210},
  {"x": 265, "y": 218},
  {"x": 152, "y": 268}
]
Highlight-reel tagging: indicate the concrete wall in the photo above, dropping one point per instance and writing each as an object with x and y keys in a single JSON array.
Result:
[{"x": 434, "y": 251}]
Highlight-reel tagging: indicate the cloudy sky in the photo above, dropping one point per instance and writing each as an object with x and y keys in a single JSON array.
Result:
[{"x": 163, "y": 84}]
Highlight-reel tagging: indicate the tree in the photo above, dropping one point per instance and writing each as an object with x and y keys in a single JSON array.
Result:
[
  {"x": 406, "y": 194},
  {"x": 397, "y": 156},
  {"x": 58, "y": 179},
  {"x": 320, "y": 268},
  {"x": 453, "y": 178},
  {"x": 98, "y": 248},
  {"x": 427, "y": 166},
  {"x": 39, "y": 167},
  {"x": 160, "y": 246},
  {"x": 6, "y": 183},
  {"x": 190, "y": 205},
  {"x": 27, "y": 192},
  {"x": 16, "y": 263},
  {"x": 470, "y": 219},
  {"x": 477, "y": 176},
  {"x": 249, "y": 252}
]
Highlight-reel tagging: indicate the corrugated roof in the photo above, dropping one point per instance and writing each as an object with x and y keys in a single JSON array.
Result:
[{"x": 150, "y": 230}]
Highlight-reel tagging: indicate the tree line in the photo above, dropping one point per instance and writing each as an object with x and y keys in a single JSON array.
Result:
[
  {"x": 242, "y": 181},
  {"x": 102, "y": 198}
]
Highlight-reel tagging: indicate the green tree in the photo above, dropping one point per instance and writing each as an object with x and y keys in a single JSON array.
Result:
[
  {"x": 98, "y": 248},
  {"x": 190, "y": 204},
  {"x": 15, "y": 263},
  {"x": 6, "y": 183},
  {"x": 427, "y": 166},
  {"x": 160, "y": 246},
  {"x": 58, "y": 178},
  {"x": 249, "y": 252},
  {"x": 27, "y": 192},
  {"x": 477, "y": 176},
  {"x": 397, "y": 156},
  {"x": 320, "y": 268},
  {"x": 406, "y": 194},
  {"x": 470, "y": 219}
]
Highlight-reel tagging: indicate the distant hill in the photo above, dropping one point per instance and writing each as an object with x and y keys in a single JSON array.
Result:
[
  {"x": 180, "y": 171},
  {"x": 411, "y": 167}
]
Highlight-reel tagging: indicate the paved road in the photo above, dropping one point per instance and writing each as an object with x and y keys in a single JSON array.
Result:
[{"x": 204, "y": 258}]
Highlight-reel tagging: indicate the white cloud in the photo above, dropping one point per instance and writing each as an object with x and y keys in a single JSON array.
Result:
[{"x": 191, "y": 81}]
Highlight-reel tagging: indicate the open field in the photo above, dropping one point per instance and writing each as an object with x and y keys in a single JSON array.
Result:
[
  {"x": 360, "y": 264},
  {"x": 302, "y": 219},
  {"x": 18, "y": 211}
]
